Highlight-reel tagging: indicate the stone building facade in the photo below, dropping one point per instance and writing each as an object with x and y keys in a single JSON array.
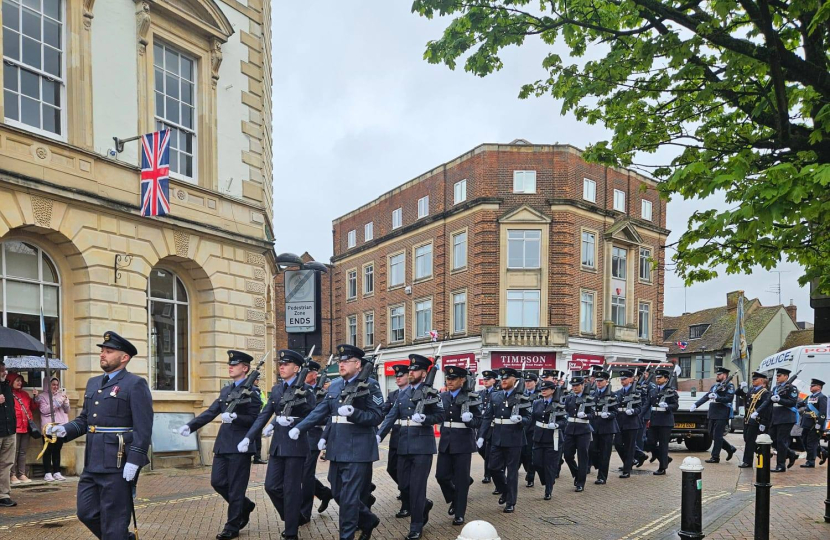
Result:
[
  {"x": 512, "y": 254},
  {"x": 184, "y": 287}
]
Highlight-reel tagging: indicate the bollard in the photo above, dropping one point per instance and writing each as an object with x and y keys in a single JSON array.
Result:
[
  {"x": 691, "y": 505},
  {"x": 762, "y": 486},
  {"x": 478, "y": 530},
  {"x": 827, "y": 500}
]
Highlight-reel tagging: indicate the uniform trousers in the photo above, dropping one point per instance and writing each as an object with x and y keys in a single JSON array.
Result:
[
  {"x": 810, "y": 438},
  {"x": 506, "y": 459},
  {"x": 717, "y": 429},
  {"x": 104, "y": 504},
  {"x": 751, "y": 432},
  {"x": 229, "y": 478},
  {"x": 546, "y": 461},
  {"x": 413, "y": 473},
  {"x": 659, "y": 437},
  {"x": 312, "y": 487},
  {"x": 283, "y": 482},
  {"x": 577, "y": 445},
  {"x": 780, "y": 434},
  {"x": 484, "y": 452},
  {"x": 392, "y": 463},
  {"x": 453, "y": 475},
  {"x": 347, "y": 482},
  {"x": 604, "y": 444},
  {"x": 626, "y": 446},
  {"x": 527, "y": 459}
]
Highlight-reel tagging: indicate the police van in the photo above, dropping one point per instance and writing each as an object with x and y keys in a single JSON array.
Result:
[{"x": 813, "y": 361}]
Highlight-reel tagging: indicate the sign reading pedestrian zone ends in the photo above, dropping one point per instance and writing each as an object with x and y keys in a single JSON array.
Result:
[{"x": 300, "y": 304}]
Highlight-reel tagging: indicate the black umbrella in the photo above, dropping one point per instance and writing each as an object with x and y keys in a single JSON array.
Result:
[{"x": 17, "y": 343}]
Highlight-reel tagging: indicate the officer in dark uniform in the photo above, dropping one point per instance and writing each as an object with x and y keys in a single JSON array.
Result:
[
  {"x": 349, "y": 440},
  {"x": 457, "y": 444},
  {"x": 312, "y": 487},
  {"x": 117, "y": 419},
  {"x": 547, "y": 438},
  {"x": 755, "y": 422},
  {"x": 719, "y": 414},
  {"x": 646, "y": 389},
  {"x": 580, "y": 409},
  {"x": 507, "y": 427},
  {"x": 531, "y": 380},
  {"x": 604, "y": 424},
  {"x": 231, "y": 468},
  {"x": 813, "y": 419},
  {"x": 628, "y": 419},
  {"x": 784, "y": 400},
  {"x": 663, "y": 404},
  {"x": 402, "y": 380},
  {"x": 490, "y": 379},
  {"x": 416, "y": 445},
  {"x": 287, "y": 456}
]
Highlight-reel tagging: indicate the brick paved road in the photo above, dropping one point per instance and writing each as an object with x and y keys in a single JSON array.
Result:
[{"x": 179, "y": 504}]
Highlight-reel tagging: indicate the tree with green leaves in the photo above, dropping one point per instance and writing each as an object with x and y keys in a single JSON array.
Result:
[{"x": 739, "y": 88}]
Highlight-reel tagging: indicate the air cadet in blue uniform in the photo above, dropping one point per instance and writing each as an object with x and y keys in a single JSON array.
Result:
[
  {"x": 532, "y": 392},
  {"x": 117, "y": 419},
  {"x": 508, "y": 437},
  {"x": 547, "y": 438},
  {"x": 578, "y": 432},
  {"x": 286, "y": 457},
  {"x": 457, "y": 444},
  {"x": 755, "y": 422},
  {"x": 231, "y": 468},
  {"x": 628, "y": 419},
  {"x": 402, "y": 380},
  {"x": 312, "y": 487},
  {"x": 416, "y": 445},
  {"x": 663, "y": 404},
  {"x": 350, "y": 442},
  {"x": 604, "y": 424},
  {"x": 719, "y": 414},
  {"x": 490, "y": 379},
  {"x": 646, "y": 389},
  {"x": 784, "y": 400},
  {"x": 812, "y": 422}
]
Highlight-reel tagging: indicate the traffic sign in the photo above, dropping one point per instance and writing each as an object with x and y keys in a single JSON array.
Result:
[{"x": 300, "y": 301}]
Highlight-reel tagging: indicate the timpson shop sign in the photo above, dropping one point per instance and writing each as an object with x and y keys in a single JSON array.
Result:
[{"x": 530, "y": 360}]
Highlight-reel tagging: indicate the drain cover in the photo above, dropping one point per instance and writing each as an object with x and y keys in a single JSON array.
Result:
[
  {"x": 558, "y": 520},
  {"x": 52, "y": 525},
  {"x": 42, "y": 490}
]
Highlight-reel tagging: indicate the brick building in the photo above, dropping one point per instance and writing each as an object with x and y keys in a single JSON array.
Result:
[{"x": 511, "y": 253}]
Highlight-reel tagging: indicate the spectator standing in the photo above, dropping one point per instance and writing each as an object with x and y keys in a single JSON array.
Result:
[
  {"x": 23, "y": 411},
  {"x": 60, "y": 403},
  {"x": 8, "y": 429}
]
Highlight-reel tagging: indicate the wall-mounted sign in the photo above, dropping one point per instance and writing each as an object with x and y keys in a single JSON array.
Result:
[
  {"x": 531, "y": 360},
  {"x": 300, "y": 307}
]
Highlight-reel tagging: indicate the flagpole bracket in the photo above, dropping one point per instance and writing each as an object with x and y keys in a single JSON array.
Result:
[
  {"x": 121, "y": 261},
  {"x": 119, "y": 143}
]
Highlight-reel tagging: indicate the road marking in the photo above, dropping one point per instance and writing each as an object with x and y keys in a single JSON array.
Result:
[{"x": 662, "y": 521}]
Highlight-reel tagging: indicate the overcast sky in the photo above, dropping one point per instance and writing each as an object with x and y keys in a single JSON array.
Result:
[{"x": 357, "y": 111}]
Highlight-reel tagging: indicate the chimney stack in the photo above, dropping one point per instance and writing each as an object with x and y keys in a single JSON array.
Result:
[
  {"x": 791, "y": 310},
  {"x": 732, "y": 299}
]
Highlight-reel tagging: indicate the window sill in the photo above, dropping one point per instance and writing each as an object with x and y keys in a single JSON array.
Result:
[
  {"x": 393, "y": 287},
  {"x": 458, "y": 270},
  {"x": 175, "y": 395},
  {"x": 352, "y": 299},
  {"x": 423, "y": 279},
  {"x": 420, "y": 340},
  {"x": 369, "y": 295},
  {"x": 520, "y": 269},
  {"x": 643, "y": 282},
  {"x": 588, "y": 334},
  {"x": 591, "y": 269},
  {"x": 459, "y": 334}
]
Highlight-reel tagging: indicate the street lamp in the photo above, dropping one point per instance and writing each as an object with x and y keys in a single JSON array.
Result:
[
  {"x": 316, "y": 266},
  {"x": 289, "y": 259}
]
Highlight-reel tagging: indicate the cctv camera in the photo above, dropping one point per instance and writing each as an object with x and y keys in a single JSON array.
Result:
[{"x": 111, "y": 152}]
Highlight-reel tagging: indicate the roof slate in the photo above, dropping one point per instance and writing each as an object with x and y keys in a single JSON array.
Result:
[{"x": 797, "y": 338}]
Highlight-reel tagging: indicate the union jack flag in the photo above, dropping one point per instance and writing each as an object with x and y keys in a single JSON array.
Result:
[
  {"x": 155, "y": 173},
  {"x": 682, "y": 345}
]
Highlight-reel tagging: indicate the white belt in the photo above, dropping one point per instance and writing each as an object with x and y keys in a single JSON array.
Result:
[
  {"x": 504, "y": 421},
  {"x": 340, "y": 420},
  {"x": 578, "y": 420},
  {"x": 659, "y": 409},
  {"x": 544, "y": 425},
  {"x": 459, "y": 425},
  {"x": 409, "y": 423},
  {"x": 777, "y": 405},
  {"x": 398, "y": 422}
]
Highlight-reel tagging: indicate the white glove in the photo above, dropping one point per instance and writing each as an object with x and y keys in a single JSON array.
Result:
[
  {"x": 294, "y": 434},
  {"x": 744, "y": 385},
  {"x": 243, "y": 445},
  {"x": 184, "y": 431},
  {"x": 268, "y": 431},
  {"x": 479, "y": 442},
  {"x": 377, "y": 438},
  {"x": 713, "y": 395},
  {"x": 663, "y": 404},
  {"x": 776, "y": 398},
  {"x": 321, "y": 445},
  {"x": 552, "y": 425},
  {"x": 754, "y": 416},
  {"x": 345, "y": 410},
  {"x": 692, "y": 408},
  {"x": 57, "y": 431},
  {"x": 605, "y": 415},
  {"x": 581, "y": 415},
  {"x": 129, "y": 471},
  {"x": 284, "y": 421},
  {"x": 419, "y": 418},
  {"x": 762, "y": 427},
  {"x": 629, "y": 412},
  {"x": 467, "y": 416},
  {"x": 227, "y": 417},
  {"x": 516, "y": 419}
]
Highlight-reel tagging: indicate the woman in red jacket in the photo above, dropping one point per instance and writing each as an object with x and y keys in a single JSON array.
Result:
[{"x": 23, "y": 411}]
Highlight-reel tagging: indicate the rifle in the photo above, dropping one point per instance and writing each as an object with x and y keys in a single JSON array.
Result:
[
  {"x": 319, "y": 387},
  {"x": 468, "y": 397},
  {"x": 426, "y": 394},
  {"x": 242, "y": 393},
  {"x": 295, "y": 394},
  {"x": 788, "y": 383},
  {"x": 721, "y": 387},
  {"x": 670, "y": 390},
  {"x": 518, "y": 398},
  {"x": 350, "y": 393}
]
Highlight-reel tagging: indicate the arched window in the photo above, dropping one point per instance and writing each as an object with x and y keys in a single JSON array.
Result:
[
  {"x": 169, "y": 328},
  {"x": 30, "y": 283}
]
